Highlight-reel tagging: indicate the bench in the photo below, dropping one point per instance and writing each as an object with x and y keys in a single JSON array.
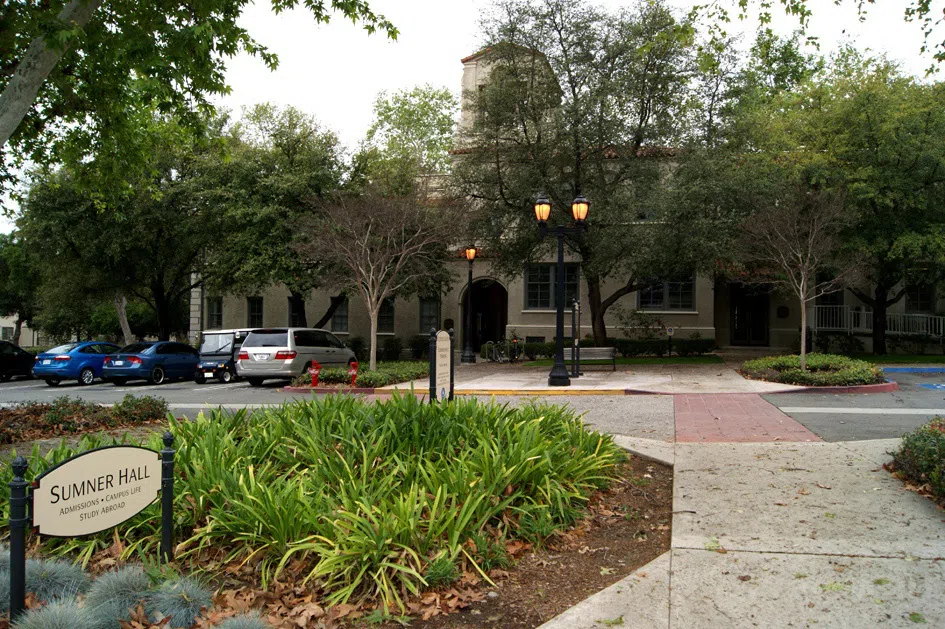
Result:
[{"x": 593, "y": 353}]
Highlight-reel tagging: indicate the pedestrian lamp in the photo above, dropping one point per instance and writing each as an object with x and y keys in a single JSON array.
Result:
[
  {"x": 469, "y": 356},
  {"x": 558, "y": 377}
]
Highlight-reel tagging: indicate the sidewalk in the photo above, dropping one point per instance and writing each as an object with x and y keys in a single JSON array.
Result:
[{"x": 782, "y": 535}]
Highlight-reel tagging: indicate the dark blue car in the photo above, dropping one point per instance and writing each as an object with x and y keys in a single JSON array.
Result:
[
  {"x": 73, "y": 361},
  {"x": 154, "y": 362}
]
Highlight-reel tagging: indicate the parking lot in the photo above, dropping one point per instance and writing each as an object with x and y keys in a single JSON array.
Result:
[{"x": 184, "y": 397}]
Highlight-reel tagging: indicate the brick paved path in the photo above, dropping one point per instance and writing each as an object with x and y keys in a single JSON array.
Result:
[{"x": 744, "y": 417}]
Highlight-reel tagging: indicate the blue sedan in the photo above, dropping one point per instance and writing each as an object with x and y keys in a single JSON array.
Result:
[
  {"x": 154, "y": 362},
  {"x": 73, "y": 361}
]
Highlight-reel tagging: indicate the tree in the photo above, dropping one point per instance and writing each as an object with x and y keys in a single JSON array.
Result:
[
  {"x": 381, "y": 247},
  {"x": 152, "y": 245},
  {"x": 581, "y": 101},
  {"x": 72, "y": 68},
  {"x": 864, "y": 127},
  {"x": 277, "y": 162},
  {"x": 793, "y": 239},
  {"x": 19, "y": 283},
  {"x": 410, "y": 138}
]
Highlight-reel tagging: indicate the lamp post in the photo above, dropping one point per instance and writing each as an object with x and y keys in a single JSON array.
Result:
[
  {"x": 469, "y": 356},
  {"x": 558, "y": 377}
]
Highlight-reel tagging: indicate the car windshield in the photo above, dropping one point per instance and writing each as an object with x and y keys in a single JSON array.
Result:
[
  {"x": 62, "y": 349},
  {"x": 135, "y": 348},
  {"x": 267, "y": 338},
  {"x": 216, "y": 343}
]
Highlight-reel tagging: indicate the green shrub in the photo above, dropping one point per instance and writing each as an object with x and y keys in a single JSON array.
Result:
[
  {"x": 921, "y": 456},
  {"x": 333, "y": 375},
  {"x": 392, "y": 348},
  {"x": 114, "y": 595},
  {"x": 54, "y": 579},
  {"x": 57, "y": 615},
  {"x": 441, "y": 571},
  {"x": 419, "y": 347},
  {"x": 180, "y": 599},
  {"x": 368, "y": 379},
  {"x": 822, "y": 370},
  {"x": 535, "y": 351},
  {"x": 136, "y": 410},
  {"x": 359, "y": 346}
]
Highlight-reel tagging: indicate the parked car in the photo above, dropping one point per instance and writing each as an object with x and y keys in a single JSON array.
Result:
[
  {"x": 73, "y": 361},
  {"x": 218, "y": 353},
  {"x": 14, "y": 361},
  {"x": 155, "y": 362},
  {"x": 281, "y": 353}
]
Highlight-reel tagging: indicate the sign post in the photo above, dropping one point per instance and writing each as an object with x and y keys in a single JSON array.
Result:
[
  {"x": 670, "y": 331},
  {"x": 441, "y": 365},
  {"x": 88, "y": 493}
]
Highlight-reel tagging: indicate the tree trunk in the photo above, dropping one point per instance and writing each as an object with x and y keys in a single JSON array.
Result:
[
  {"x": 17, "y": 330},
  {"x": 881, "y": 294},
  {"x": 803, "y": 334},
  {"x": 30, "y": 74},
  {"x": 163, "y": 310},
  {"x": 121, "y": 306},
  {"x": 596, "y": 310},
  {"x": 297, "y": 308},
  {"x": 372, "y": 362},
  {"x": 336, "y": 301}
]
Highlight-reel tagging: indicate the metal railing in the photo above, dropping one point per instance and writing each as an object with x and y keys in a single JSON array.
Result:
[{"x": 856, "y": 320}]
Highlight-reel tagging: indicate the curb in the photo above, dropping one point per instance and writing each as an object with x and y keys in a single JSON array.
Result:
[
  {"x": 883, "y": 387},
  {"x": 542, "y": 392},
  {"x": 329, "y": 391}
]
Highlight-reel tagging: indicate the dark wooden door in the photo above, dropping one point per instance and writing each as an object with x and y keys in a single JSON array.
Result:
[{"x": 750, "y": 307}]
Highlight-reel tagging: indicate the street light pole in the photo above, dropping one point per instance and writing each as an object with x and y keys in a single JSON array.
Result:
[
  {"x": 558, "y": 377},
  {"x": 469, "y": 356}
]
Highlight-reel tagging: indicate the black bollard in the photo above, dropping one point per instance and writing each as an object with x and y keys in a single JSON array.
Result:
[
  {"x": 167, "y": 499},
  {"x": 19, "y": 523}
]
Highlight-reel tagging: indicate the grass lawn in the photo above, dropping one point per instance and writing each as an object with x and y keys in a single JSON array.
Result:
[
  {"x": 904, "y": 359},
  {"x": 709, "y": 359}
]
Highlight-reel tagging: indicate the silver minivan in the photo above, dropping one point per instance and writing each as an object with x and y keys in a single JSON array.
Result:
[{"x": 282, "y": 353}]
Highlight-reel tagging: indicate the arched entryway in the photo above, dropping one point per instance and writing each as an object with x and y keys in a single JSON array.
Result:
[{"x": 490, "y": 312}]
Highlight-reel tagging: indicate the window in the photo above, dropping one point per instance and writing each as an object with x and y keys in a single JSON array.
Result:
[
  {"x": 668, "y": 296},
  {"x": 534, "y": 339},
  {"x": 339, "y": 319},
  {"x": 920, "y": 299},
  {"x": 540, "y": 293},
  {"x": 214, "y": 312},
  {"x": 254, "y": 312},
  {"x": 385, "y": 318},
  {"x": 831, "y": 299},
  {"x": 6, "y": 333},
  {"x": 310, "y": 338},
  {"x": 296, "y": 312},
  {"x": 429, "y": 314}
]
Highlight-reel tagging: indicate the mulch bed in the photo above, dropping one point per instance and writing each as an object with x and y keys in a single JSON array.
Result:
[
  {"x": 32, "y": 421},
  {"x": 629, "y": 526}
]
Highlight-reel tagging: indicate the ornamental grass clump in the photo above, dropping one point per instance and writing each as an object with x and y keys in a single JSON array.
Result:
[
  {"x": 244, "y": 621},
  {"x": 823, "y": 370},
  {"x": 55, "y": 615},
  {"x": 55, "y": 579},
  {"x": 179, "y": 600},
  {"x": 115, "y": 595}
]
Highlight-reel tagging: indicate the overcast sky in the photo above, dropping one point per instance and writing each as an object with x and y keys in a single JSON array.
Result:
[{"x": 334, "y": 71}]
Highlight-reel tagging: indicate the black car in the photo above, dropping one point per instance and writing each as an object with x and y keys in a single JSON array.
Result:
[{"x": 14, "y": 361}]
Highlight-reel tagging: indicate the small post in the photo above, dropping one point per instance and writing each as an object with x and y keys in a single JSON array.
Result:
[
  {"x": 167, "y": 499},
  {"x": 19, "y": 523},
  {"x": 452, "y": 364},
  {"x": 432, "y": 365},
  {"x": 575, "y": 341}
]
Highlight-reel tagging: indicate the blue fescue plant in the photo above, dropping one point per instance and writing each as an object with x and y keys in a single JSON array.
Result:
[
  {"x": 4, "y": 592},
  {"x": 113, "y": 596},
  {"x": 54, "y": 579},
  {"x": 244, "y": 621},
  {"x": 180, "y": 599},
  {"x": 55, "y": 615}
]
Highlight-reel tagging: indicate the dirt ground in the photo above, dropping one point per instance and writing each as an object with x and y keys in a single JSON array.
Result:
[{"x": 629, "y": 527}]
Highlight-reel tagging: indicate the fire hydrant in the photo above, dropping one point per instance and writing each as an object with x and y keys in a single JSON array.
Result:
[
  {"x": 313, "y": 371},
  {"x": 353, "y": 372}
]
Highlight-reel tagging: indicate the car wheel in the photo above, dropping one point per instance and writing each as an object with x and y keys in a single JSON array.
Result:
[
  {"x": 53, "y": 383},
  {"x": 157, "y": 376},
  {"x": 86, "y": 376},
  {"x": 226, "y": 376},
  {"x": 5, "y": 377},
  {"x": 118, "y": 381},
  {"x": 255, "y": 382},
  {"x": 199, "y": 378}
]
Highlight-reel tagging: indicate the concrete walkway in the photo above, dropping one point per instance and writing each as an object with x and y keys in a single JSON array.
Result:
[{"x": 783, "y": 535}]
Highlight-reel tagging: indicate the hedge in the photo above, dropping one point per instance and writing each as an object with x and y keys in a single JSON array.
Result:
[
  {"x": 629, "y": 347},
  {"x": 921, "y": 456},
  {"x": 823, "y": 370}
]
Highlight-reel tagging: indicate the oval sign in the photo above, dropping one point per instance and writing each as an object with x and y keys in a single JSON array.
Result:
[{"x": 95, "y": 490}]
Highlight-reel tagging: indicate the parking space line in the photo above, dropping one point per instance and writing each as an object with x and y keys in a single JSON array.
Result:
[
  {"x": 790, "y": 410},
  {"x": 35, "y": 385},
  {"x": 228, "y": 385}
]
